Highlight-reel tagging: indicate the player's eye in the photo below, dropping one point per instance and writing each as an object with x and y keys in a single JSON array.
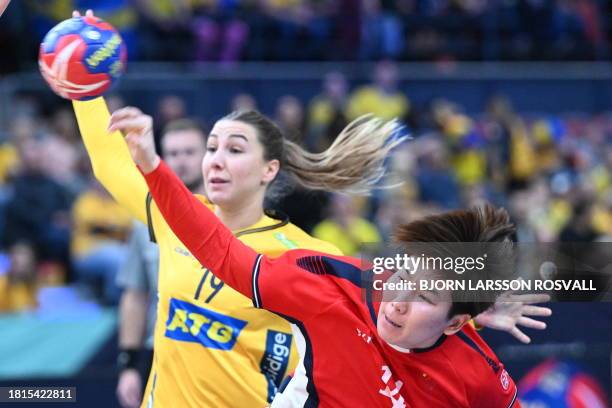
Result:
[
  {"x": 235, "y": 150},
  {"x": 211, "y": 149},
  {"x": 426, "y": 299}
]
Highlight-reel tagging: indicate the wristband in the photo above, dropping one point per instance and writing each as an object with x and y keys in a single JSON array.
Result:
[{"x": 128, "y": 358}]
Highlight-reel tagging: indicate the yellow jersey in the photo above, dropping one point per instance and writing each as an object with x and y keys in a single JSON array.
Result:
[
  {"x": 368, "y": 99},
  {"x": 212, "y": 348},
  {"x": 97, "y": 218}
]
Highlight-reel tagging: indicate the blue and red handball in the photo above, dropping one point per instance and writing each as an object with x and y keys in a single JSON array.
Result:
[{"x": 82, "y": 57}]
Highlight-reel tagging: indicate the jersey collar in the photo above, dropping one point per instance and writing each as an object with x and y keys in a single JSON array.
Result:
[
  {"x": 433, "y": 346},
  {"x": 271, "y": 219},
  {"x": 418, "y": 350}
]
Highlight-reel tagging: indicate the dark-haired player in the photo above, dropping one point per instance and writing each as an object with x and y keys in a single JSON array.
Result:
[{"x": 356, "y": 353}]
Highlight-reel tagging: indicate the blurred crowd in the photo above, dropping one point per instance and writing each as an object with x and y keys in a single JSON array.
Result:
[
  {"x": 235, "y": 30},
  {"x": 553, "y": 173}
]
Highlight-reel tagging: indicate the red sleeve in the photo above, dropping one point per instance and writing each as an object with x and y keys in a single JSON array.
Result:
[
  {"x": 278, "y": 285},
  {"x": 204, "y": 235}
]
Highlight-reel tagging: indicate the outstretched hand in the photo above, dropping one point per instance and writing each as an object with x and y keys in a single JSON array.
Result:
[
  {"x": 138, "y": 131},
  {"x": 510, "y": 311}
]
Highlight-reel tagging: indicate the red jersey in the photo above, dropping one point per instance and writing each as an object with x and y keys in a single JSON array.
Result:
[{"x": 344, "y": 362}]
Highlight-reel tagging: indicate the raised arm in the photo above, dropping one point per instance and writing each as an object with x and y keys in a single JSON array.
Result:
[
  {"x": 278, "y": 284},
  {"x": 211, "y": 242},
  {"x": 110, "y": 158}
]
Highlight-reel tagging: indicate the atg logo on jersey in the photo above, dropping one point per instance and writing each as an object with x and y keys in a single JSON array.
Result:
[
  {"x": 275, "y": 359},
  {"x": 187, "y": 322}
]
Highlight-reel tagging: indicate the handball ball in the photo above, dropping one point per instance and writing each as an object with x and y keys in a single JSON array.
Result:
[{"x": 82, "y": 58}]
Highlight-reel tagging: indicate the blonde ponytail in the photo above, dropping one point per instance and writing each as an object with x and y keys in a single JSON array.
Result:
[{"x": 353, "y": 164}]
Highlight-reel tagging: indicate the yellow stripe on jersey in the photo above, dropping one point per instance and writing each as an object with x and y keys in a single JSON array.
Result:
[{"x": 212, "y": 347}]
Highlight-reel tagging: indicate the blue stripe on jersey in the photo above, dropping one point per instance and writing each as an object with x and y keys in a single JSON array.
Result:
[
  {"x": 494, "y": 366},
  {"x": 368, "y": 278},
  {"x": 322, "y": 265}
]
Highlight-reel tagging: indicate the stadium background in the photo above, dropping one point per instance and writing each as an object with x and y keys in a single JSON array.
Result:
[{"x": 507, "y": 101}]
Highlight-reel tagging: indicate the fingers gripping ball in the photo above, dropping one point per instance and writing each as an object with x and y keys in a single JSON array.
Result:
[{"x": 82, "y": 58}]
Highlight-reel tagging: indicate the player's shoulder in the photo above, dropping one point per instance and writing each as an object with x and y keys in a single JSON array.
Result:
[
  {"x": 305, "y": 241},
  {"x": 204, "y": 201}
]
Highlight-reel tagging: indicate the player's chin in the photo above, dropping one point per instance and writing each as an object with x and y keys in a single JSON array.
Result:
[
  {"x": 387, "y": 332},
  {"x": 219, "y": 196}
]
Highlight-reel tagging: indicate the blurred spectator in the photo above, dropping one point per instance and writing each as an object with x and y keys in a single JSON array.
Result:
[
  {"x": 290, "y": 118},
  {"x": 243, "y": 101},
  {"x": 436, "y": 182},
  {"x": 292, "y": 22},
  {"x": 60, "y": 163},
  {"x": 382, "y": 98},
  {"x": 114, "y": 102},
  {"x": 164, "y": 29},
  {"x": 169, "y": 108},
  {"x": 580, "y": 226},
  {"x": 381, "y": 31},
  {"x": 220, "y": 33},
  {"x": 469, "y": 159},
  {"x": 9, "y": 159},
  {"x": 345, "y": 228},
  {"x": 64, "y": 124},
  {"x": 101, "y": 227},
  {"x": 397, "y": 207},
  {"x": 137, "y": 277},
  {"x": 348, "y": 30},
  {"x": 514, "y": 151},
  {"x": 18, "y": 283},
  {"x": 37, "y": 211},
  {"x": 326, "y": 112}
]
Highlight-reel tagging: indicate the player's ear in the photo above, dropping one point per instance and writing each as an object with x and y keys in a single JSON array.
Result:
[
  {"x": 270, "y": 170},
  {"x": 456, "y": 323}
]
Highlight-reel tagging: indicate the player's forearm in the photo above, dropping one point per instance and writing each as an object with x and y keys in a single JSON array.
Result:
[
  {"x": 132, "y": 319},
  {"x": 110, "y": 157},
  {"x": 211, "y": 242}
]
